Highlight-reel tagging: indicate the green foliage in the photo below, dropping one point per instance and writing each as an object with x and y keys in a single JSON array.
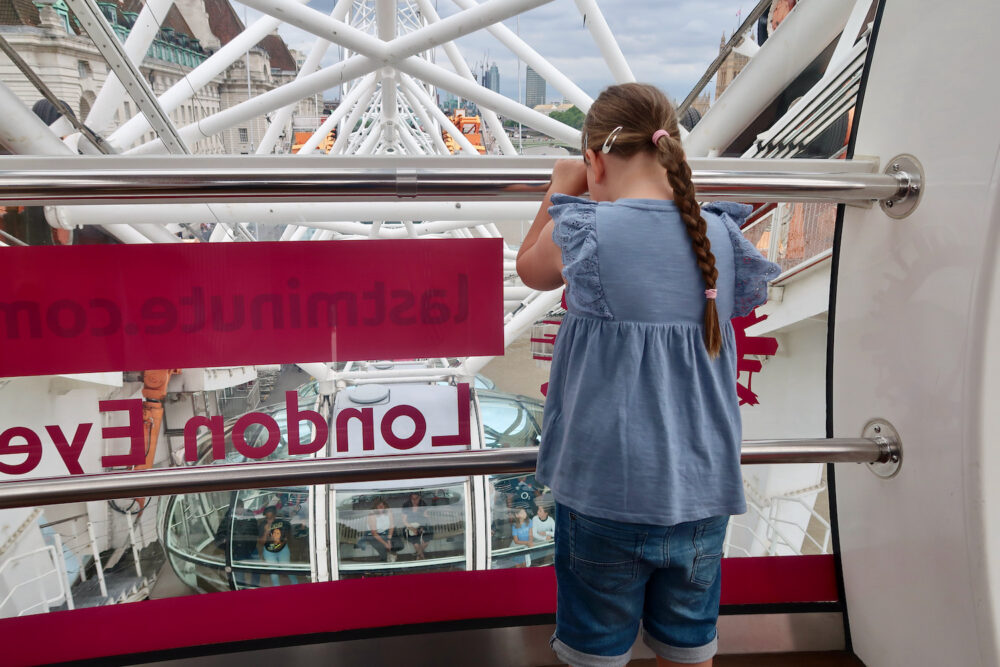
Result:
[{"x": 572, "y": 117}]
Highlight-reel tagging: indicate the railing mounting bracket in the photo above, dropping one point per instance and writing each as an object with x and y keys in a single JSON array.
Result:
[
  {"x": 907, "y": 170},
  {"x": 890, "y": 446}
]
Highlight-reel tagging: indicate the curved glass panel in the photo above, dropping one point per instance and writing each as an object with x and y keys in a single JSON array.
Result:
[
  {"x": 522, "y": 525},
  {"x": 270, "y": 537},
  {"x": 410, "y": 529},
  {"x": 193, "y": 526},
  {"x": 510, "y": 421}
]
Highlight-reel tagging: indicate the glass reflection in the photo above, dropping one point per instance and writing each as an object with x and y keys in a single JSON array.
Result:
[
  {"x": 401, "y": 530},
  {"x": 522, "y": 526},
  {"x": 270, "y": 534},
  {"x": 510, "y": 421}
]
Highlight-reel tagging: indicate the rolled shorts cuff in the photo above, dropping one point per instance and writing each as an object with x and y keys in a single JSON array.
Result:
[
  {"x": 682, "y": 654},
  {"x": 576, "y": 658}
]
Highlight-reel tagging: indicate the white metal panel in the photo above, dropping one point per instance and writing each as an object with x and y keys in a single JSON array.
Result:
[{"x": 909, "y": 344}]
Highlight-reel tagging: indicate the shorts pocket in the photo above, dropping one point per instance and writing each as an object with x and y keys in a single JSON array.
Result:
[
  {"x": 708, "y": 540},
  {"x": 602, "y": 556}
]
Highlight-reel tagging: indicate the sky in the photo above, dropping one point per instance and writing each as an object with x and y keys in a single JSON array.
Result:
[{"x": 668, "y": 43}]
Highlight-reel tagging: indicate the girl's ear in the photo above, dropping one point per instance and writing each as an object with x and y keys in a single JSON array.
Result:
[{"x": 597, "y": 164}]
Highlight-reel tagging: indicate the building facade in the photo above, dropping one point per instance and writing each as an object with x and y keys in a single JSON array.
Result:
[
  {"x": 730, "y": 68},
  {"x": 491, "y": 78},
  {"x": 534, "y": 89},
  {"x": 51, "y": 42}
]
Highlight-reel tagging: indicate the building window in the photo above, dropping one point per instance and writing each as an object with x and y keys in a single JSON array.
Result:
[
  {"x": 83, "y": 68},
  {"x": 244, "y": 135}
]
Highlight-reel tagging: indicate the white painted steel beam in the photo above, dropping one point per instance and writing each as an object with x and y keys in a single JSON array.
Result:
[
  {"x": 197, "y": 79},
  {"x": 128, "y": 73},
  {"x": 458, "y": 62},
  {"x": 534, "y": 60},
  {"x": 851, "y": 30},
  {"x": 484, "y": 97},
  {"x": 137, "y": 44},
  {"x": 442, "y": 214},
  {"x": 360, "y": 94},
  {"x": 605, "y": 41},
  {"x": 385, "y": 21},
  {"x": 21, "y": 131},
  {"x": 430, "y": 127},
  {"x": 535, "y": 307},
  {"x": 24, "y": 133},
  {"x": 321, "y": 25},
  {"x": 414, "y": 90},
  {"x": 364, "y": 101},
  {"x": 311, "y": 64},
  {"x": 803, "y": 35},
  {"x": 401, "y": 52}
]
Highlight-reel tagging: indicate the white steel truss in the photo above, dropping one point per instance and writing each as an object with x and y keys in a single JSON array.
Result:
[{"x": 388, "y": 78}]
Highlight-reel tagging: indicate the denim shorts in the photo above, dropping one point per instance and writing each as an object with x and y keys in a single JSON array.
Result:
[{"x": 612, "y": 575}]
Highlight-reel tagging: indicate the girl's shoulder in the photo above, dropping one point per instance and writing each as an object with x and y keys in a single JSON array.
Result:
[
  {"x": 753, "y": 270},
  {"x": 729, "y": 211}
]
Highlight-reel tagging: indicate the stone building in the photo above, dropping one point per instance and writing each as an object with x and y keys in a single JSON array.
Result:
[
  {"x": 50, "y": 40},
  {"x": 731, "y": 66}
]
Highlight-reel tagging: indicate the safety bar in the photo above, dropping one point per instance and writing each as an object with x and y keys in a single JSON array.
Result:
[
  {"x": 210, "y": 179},
  {"x": 170, "y": 481}
]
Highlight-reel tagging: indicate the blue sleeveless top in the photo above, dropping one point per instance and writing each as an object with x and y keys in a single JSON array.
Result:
[{"x": 640, "y": 424}]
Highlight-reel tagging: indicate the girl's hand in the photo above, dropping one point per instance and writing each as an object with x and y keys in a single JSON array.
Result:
[{"x": 570, "y": 177}]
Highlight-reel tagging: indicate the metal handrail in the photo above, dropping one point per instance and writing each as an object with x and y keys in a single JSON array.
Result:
[
  {"x": 169, "y": 481},
  {"x": 190, "y": 179}
]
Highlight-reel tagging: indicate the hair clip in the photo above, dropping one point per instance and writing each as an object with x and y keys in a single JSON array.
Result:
[{"x": 610, "y": 141}]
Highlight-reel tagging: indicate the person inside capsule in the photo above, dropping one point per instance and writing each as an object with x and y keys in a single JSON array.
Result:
[
  {"x": 272, "y": 543},
  {"x": 418, "y": 532},
  {"x": 381, "y": 530}
]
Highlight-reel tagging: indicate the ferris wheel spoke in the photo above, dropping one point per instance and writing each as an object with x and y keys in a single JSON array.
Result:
[
  {"x": 416, "y": 91},
  {"x": 462, "y": 68},
  {"x": 535, "y": 61},
  {"x": 323, "y": 26},
  {"x": 605, "y": 40},
  {"x": 109, "y": 98},
  {"x": 107, "y": 44},
  {"x": 311, "y": 65},
  {"x": 197, "y": 79}
]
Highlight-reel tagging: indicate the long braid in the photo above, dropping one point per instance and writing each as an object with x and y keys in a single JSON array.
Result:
[
  {"x": 634, "y": 112},
  {"x": 671, "y": 156}
]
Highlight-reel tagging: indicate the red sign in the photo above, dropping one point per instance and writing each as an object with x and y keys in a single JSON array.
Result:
[{"x": 79, "y": 309}]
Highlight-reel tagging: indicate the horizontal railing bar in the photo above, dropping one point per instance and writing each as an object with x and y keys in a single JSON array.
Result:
[
  {"x": 26, "y": 181},
  {"x": 200, "y": 479},
  {"x": 69, "y": 518}
]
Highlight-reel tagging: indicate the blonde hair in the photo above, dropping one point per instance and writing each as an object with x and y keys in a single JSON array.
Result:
[{"x": 640, "y": 110}]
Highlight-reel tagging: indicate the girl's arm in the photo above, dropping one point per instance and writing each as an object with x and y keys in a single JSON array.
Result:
[
  {"x": 528, "y": 542},
  {"x": 539, "y": 260}
]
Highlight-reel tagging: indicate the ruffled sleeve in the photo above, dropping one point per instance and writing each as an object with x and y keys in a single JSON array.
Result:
[
  {"x": 575, "y": 232},
  {"x": 753, "y": 271}
]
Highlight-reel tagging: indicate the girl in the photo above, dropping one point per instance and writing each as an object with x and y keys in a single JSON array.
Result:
[
  {"x": 641, "y": 446},
  {"x": 521, "y": 534}
]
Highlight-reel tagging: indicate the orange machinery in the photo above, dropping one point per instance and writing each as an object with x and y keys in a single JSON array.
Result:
[
  {"x": 470, "y": 126},
  {"x": 325, "y": 145}
]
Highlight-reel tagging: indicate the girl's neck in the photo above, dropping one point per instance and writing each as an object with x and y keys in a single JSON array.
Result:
[{"x": 638, "y": 177}]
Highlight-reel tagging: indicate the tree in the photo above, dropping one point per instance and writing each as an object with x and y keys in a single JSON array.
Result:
[{"x": 572, "y": 117}]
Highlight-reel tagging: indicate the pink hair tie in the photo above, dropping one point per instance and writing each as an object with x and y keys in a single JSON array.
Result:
[
  {"x": 659, "y": 134},
  {"x": 711, "y": 293}
]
